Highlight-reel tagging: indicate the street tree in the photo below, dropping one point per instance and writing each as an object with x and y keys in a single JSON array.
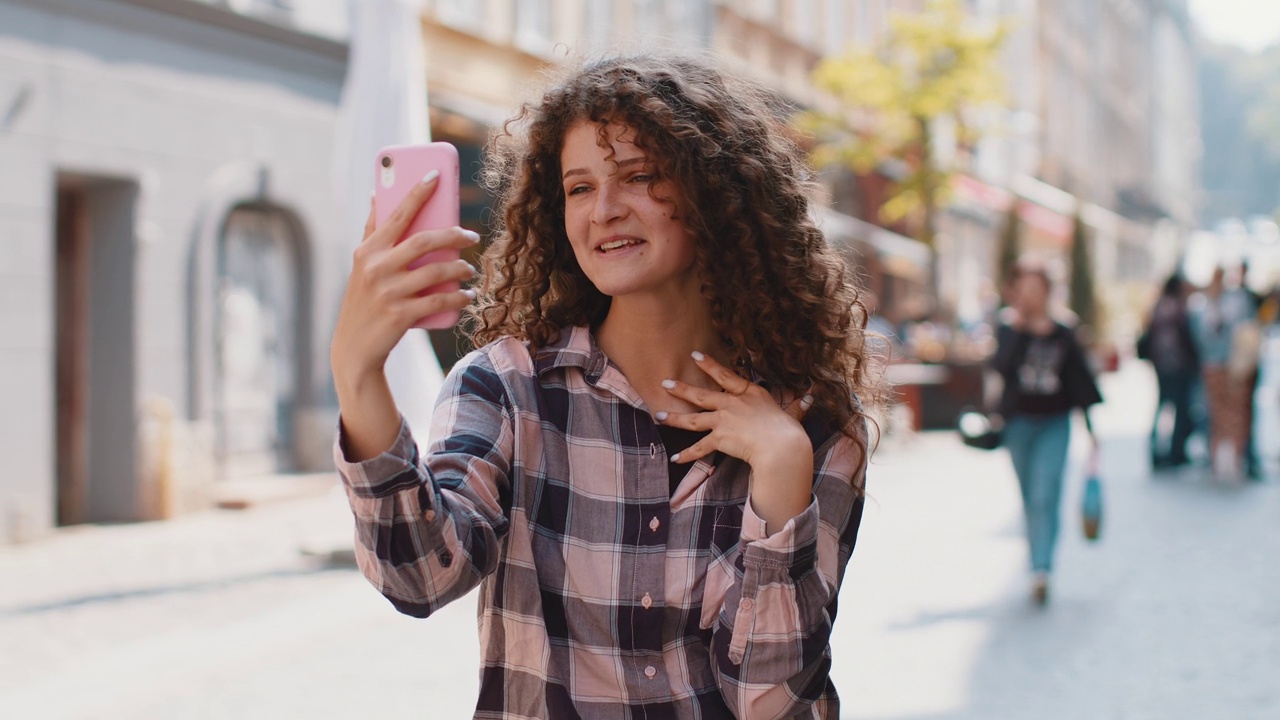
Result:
[
  {"x": 1084, "y": 299},
  {"x": 1010, "y": 246},
  {"x": 919, "y": 85}
]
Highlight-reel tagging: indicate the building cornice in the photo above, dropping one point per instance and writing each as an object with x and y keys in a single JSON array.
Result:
[
  {"x": 228, "y": 19},
  {"x": 220, "y": 17}
]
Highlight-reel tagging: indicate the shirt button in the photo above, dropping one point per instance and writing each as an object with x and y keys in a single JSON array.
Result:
[
  {"x": 746, "y": 604},
  {"x": 429, "y": 516},
  {"x": 654, "y": 523},
  {"x": 646, "y": 601},
  {"x": 650, "y": 671},
  {"x": 446, "y": 559}
]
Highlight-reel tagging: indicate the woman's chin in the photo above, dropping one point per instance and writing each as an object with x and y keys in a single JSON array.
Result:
[
  {"x": 617, "y": 287},
  {"x": 614, "y": 292},
  {"x": 620, "y": 285}
]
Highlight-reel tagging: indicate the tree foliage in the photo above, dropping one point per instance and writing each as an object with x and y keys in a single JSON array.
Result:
[{"x": 929, "y": 68}]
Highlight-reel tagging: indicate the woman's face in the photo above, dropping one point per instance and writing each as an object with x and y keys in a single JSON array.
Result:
[
  {"x": 1031, "y": 294},
  {"x": 626, "y": 239}
]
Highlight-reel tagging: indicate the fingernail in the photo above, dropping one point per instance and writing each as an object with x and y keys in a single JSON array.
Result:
[
  {"x": 472, "y": 235},
  {"x": 469, "y": 293},
  {"x": 430, "y": 177},
  {"x": 675, "y": 458},
  {"x": 806, "y": 402},
  {"x": 661, "y": 415},
  {"x": 699, "y": 356},
  {"x": 669, "y": 384}
]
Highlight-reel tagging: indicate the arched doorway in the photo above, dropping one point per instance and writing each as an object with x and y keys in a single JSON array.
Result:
[{"x": 260, "y": 332}]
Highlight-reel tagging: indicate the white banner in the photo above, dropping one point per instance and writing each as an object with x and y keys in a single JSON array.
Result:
[{"x": 384, "y": 102}]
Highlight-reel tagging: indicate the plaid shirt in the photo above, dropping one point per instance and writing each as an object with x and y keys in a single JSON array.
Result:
[{"x": 604, "y": 595}]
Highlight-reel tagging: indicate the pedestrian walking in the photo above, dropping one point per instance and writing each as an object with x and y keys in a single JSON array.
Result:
[
  {"x": 1219, "y": 321},
  {"x": 653, "y": 464},
  {"x": 1246, "y": 350},
  {"x": 1168, "y": 343},
  {"x": 1045, "y": 375}
]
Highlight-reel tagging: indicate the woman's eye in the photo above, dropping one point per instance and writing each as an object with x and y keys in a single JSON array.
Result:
[
  {"x": 641, "y": 178},
  {"x": 578, "y": 189}
]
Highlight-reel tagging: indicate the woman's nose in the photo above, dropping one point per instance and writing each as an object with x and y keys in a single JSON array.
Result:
[{"x": 608, "y": 207}]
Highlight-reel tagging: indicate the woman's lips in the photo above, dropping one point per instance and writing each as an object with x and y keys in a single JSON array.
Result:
[{"x": 619, "y": 245}]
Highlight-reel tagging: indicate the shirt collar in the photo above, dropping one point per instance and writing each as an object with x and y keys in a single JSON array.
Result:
[{"x": 576, "y": 347}]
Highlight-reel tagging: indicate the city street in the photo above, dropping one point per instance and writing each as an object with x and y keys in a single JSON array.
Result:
[
  {"x": 183, "y": 184},
  {"x": 1172, "y": 614}
]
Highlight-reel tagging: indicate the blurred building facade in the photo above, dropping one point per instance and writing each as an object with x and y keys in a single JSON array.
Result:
[
  {"x": 169, "y": 255},
  {"x": 174, "y": 255},
  {"x": 1103, "y": 121},
  {"x": 485, "y": 55}
]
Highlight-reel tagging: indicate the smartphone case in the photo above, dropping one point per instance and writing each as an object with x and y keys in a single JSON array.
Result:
[{"x": 408, "y": 164}]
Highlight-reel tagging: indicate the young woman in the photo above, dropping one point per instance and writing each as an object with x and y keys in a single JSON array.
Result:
[
  {"x": 1229, "y": 395},
  {"x": 653, "y": 465},
  {"x": 1045, "y": 376}
]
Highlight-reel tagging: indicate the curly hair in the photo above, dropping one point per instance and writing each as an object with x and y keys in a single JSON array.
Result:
[{"x": 783, "y": 302}]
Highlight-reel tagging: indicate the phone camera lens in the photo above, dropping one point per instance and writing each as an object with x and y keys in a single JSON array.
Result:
[{"x": 386, "y": 161}]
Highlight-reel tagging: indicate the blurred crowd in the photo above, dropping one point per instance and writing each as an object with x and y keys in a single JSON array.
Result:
[{"x": 1208, "y": 346}]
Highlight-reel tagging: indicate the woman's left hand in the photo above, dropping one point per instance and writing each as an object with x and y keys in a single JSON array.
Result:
[{"x": 746, "y": 422}]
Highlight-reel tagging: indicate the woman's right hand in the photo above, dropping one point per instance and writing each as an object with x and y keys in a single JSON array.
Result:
[{"x": 382, "y": 301}]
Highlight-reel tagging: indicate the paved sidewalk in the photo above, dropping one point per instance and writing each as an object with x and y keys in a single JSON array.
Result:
[
  {"x": 1173, "y": 614},
  {"x": 220, "y": 615}
]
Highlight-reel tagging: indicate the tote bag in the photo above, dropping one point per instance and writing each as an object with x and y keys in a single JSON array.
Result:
[{"x": 1091, "y": 501}]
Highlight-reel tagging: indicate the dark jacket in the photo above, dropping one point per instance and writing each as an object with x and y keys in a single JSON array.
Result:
[
  {"x": 1043, "y": 374},
  {"x": 1170, "y": 345}
]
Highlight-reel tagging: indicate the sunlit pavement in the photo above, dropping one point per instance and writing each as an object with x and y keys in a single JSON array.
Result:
[{"x": 1173, "y": 614}]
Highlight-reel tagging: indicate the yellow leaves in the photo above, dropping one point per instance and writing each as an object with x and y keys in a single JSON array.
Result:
[
  {"x": 860, "y": 79},
  {"x": 900, "y": 206},
  {"x": 928, "y": 65},
  {"x": 926, "y": 186}
]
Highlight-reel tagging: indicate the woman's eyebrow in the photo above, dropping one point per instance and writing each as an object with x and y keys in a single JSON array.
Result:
[{"x": 639, "y": 159}]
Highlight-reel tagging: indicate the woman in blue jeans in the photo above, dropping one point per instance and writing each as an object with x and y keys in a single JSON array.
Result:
[{"x": 1045, "y": 376}]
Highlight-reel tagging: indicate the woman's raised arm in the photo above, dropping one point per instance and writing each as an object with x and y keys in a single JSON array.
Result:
[{"x": 380, "y": 304}]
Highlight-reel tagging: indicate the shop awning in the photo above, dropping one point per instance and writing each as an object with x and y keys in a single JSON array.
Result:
[{"x": 898, "y": 254}]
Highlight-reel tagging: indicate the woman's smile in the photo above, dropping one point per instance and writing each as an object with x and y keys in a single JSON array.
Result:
[{"x": 617, "y": 246}]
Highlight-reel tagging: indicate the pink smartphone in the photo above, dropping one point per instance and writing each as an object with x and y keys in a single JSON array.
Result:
[{"x": 397, "y": 170}]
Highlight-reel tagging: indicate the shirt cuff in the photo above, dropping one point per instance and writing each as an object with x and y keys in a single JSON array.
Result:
[
  {"x": 385, "y": 474},
  {"x": 799, "y": 532}
]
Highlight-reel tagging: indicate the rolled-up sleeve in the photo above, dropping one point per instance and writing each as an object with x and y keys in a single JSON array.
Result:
[
  {"x": 771, "y": 642},
  {"x": 428, "y": 531}
]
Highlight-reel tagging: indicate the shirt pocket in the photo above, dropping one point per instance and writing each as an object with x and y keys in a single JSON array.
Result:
[
  {"x": 725, "y": 537},
  {"x": 720, "y": 577}
]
